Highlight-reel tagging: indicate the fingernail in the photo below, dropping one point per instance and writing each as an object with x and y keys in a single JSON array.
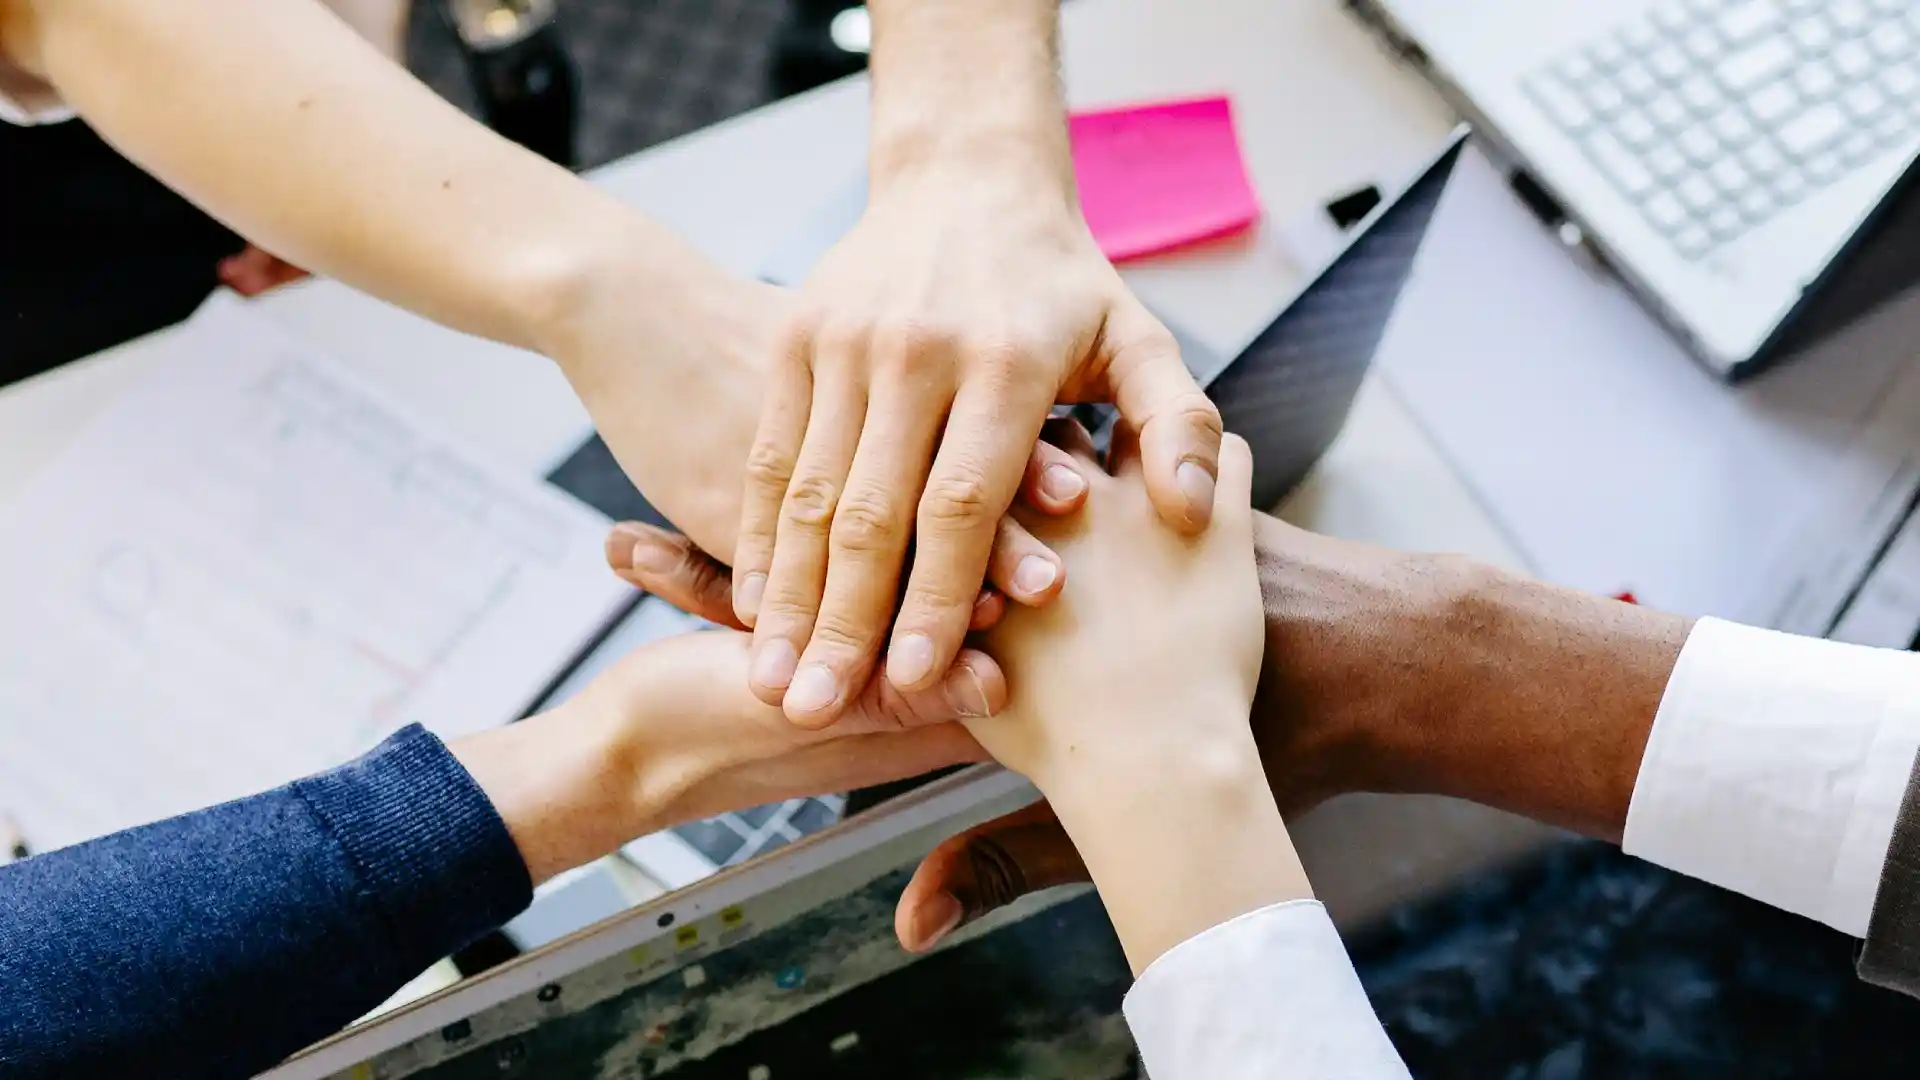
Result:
[
  {"x": 1062, "y": 483},
  {"x": 1034, "y": 575},
  {"x": 813, "y": 689},
  {"x": 652, "y": 557},
  {"x": 937, "y": 918},
  {"x": 966, "y": 695},
  {"x": 910, "y": 660},
  {"x": 620, "y": 544},
  {"x": 773, "y": 665},
  {"x": 1197, "y": 485},
  {"x": 747, "y": 594}
]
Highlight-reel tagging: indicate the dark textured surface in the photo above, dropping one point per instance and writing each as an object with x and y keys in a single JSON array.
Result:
[
  {"x": 649, "y": 69},
  {"x": 1589, "y": 965}
]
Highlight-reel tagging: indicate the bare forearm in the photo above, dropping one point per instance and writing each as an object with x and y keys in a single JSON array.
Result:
[
  {"x": 972, "y": 80},
  {"x": 277, "y": 118},
  {"x": 1437, "y": 675},
  {"x": 1178, "y": 840}
]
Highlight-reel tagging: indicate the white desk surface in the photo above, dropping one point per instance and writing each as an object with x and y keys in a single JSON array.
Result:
[{"x": 1320, "y": 110}]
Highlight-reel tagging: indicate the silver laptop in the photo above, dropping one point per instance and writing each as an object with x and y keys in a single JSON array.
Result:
[{"x": 1742, "y": 164}]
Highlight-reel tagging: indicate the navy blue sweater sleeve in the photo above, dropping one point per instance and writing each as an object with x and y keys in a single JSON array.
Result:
[{"x": 217, "y": 943}]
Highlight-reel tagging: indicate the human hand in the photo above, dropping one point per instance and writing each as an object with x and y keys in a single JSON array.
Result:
[
  {"x": 1391, "y": 672},
  {"x": 918, "y": 369},
  {"x": 671, "y": 734},
  {"x": 1128, "y": 709}
]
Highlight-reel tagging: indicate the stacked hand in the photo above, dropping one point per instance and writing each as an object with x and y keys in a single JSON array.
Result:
[{"x": 920, "y": 363}]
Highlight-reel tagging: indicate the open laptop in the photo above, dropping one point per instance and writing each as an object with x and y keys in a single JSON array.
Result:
[
  {"x": 1746, "y": 166},
  {"x": 1287, "y": 391}
]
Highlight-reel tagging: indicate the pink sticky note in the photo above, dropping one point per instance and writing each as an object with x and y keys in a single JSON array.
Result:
[{"x": 1155, "y": 177}]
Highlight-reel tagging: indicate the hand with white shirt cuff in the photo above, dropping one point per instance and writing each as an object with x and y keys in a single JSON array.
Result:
[{"x": 1776, "y": 766}]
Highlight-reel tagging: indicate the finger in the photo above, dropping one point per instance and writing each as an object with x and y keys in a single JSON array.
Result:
[
  {"x": 867, "y": 546},
  {"x": 1024, "y": 568},
  {"x": 988, "y": 610},
  {"x": 1234, "y": 505},
  {"x": 1054, "y": 484},
  {"x": 975, "y": 476},
  {"x": 1178, "y": 424},
  {"x": 667, "y": 565},
  {"x": 770, "y": 465},
  {"x": 1123, "y": 450},
  {"x": 973, "y": 688},
  {"x": 799, "y": 572},
  {"x": 984, "y": 869}
]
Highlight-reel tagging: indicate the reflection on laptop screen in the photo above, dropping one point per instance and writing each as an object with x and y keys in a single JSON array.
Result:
[{"x": 806, "y": 979}]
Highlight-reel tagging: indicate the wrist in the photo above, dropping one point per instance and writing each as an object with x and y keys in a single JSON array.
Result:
[
  {"x": 1458, "y": 679},
  {"x": 556, "y": 781},
  {"x": 968, "y": 86},
  {"x": 1181, "y": 849}
]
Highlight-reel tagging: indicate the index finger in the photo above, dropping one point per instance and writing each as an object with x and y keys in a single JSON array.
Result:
[{"x": 976, "y": 474}]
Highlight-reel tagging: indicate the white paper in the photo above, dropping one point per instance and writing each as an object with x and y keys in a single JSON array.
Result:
[
  {"x": 1609, "y": 457},
  {"x": 252, "y": 568}
]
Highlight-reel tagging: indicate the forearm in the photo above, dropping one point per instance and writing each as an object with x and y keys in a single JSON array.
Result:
[
  {"x": 1178, "y": 842},
  {"x": 278, "y": 119},
  {"x": 970, "y": 81},
  {"x": 1443, "y": 676}
]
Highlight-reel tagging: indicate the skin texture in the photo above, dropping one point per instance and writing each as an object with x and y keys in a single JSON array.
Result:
[
  {"x": 312, "y": 143},
  {"x": 671, "y": 734},
  {"x": 923, "y": 357},
  {"x": 1392, "y": 672}
]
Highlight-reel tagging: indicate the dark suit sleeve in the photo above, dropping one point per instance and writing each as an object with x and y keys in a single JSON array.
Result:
[
  {"x": 217, "y": 943},
  {"x": 1891, "y": 955}
]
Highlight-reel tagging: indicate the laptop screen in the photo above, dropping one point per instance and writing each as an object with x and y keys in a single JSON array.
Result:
[{"x": 791, "y": 969}]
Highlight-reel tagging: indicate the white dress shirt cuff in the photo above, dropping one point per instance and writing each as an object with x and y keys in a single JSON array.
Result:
[
  {"x": 1776, "y": 766},
  {"x": 1268, "y": 995}
]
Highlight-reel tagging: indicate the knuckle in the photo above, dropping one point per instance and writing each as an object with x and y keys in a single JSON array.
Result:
[
  {"x": 1197, "y": 410},
  {"x": 914, "y": 336},
  {"x": 843, "y": 634},
  {"x": 810, "y": 503},
  {"x": 769, "y": 467},
  {"x": 868, "y": 522},
  {"x": 958, "y": 501}
]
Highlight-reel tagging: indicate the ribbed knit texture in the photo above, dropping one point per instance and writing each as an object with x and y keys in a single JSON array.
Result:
[{"x": 217, "y": 943}]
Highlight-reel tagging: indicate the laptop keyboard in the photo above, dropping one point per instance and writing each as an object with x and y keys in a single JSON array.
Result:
[{"x": 1715, "y": 116}]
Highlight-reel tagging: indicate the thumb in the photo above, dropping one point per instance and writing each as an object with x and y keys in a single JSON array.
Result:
[
  {"x": 669, "y": 566},
  {"x": 1178, "y": 424},
  {"x": 982, "y": 870}
]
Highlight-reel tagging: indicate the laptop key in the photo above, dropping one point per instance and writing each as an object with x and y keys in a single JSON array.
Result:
[
  {"x": 1747, "y": 20},
  {"x": 1693, "y": 241},
  {"x": 1638, "y": 132},
  {"x": 1863, "y": 101},
  {"x": 1733, "y": 127},
  {"x": 1761, "y": 62},
  {"x": 1756, "y": 205},
  {"x": 1773, "y": 103},
  {"x": 1619, "y": 163},
  {"x": 1858, "y": 147},
  {"x": 1665, "y": 212},
  {"x": 1667, "y": 163},
  {"x": 1811, "y": 131},
  {"x": 1698, "y": 193},
  {"x": 1561, "y": 104},
  {"x": 1763, "y": 160}
]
